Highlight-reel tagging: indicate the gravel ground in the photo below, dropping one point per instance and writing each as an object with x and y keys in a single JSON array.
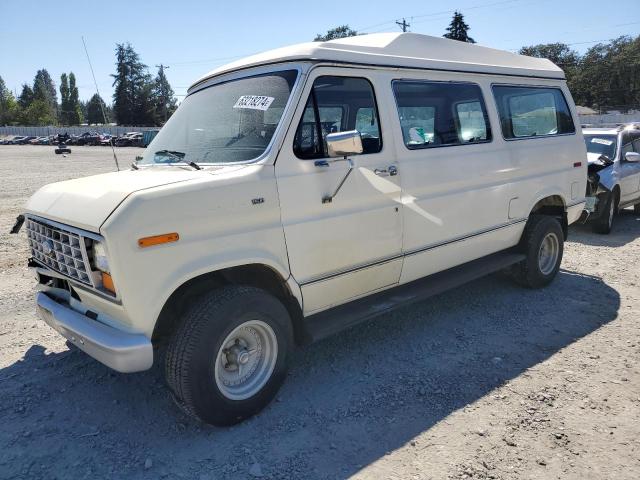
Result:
[{"x": 492, "y": 381}]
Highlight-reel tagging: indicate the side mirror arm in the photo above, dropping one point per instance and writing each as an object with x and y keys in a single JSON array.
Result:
[{"x": 329, "y": 198}]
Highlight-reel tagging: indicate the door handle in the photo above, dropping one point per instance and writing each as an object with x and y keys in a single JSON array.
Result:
[{"x": 392, "y": 171}]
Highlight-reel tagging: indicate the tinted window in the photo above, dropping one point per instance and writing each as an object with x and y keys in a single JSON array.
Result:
[
  {"x": 338, "y": 104},
  {"x": 434, "y": 114},
  {"x": 532, "y": 111}
]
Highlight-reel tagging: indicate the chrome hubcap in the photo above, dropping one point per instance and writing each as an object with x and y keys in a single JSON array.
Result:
[
  {"x": 246, "y": 360},
  {"x": 548, "y": 253}
]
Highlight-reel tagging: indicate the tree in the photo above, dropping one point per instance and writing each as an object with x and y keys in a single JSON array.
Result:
[
  {"x": 165, "y": 101},
  {"x": 26, "y": 97},
  {"x": 39, "y": 113},
  {"x": 8, "y": 105},
  {"x": 75, "y": 114},
  {"x": 606, "y": 77},
  {"x": 610, "y": 75},
  {"x": 132, "y": 102},
  {"x": 458, "y": 30},
  {"x": 44, "y": 90},
  {"x": 94, "y": 110},
  {"x": 338, "y": 32},
  {"x": 64, "y": 100}
]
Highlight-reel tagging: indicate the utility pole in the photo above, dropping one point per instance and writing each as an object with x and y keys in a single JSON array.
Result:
[
  {"x": 164, "y": 97},
  {"x": 403, "y": 25}
]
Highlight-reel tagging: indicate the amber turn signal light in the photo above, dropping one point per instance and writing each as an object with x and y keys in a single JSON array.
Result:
[
  {"x": 107, "y": 283},
  {"x": 158, "y": 239}
]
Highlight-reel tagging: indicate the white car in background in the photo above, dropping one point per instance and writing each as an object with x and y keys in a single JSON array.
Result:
[{"x": 613, "y": 173}]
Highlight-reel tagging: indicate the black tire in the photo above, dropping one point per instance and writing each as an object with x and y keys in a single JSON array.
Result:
[
  {"x": 529, "y": 272},
  {"x": 604, "y": 223},
  {"x": 190, "y": 362},
  {"x": 636, "y": 209}
]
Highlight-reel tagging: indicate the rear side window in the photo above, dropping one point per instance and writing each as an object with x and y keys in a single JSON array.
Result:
[
  {"x": 434, "y": 114},
  {"x": 338, "y": 104},
  {"x": 532, "y": 111}
]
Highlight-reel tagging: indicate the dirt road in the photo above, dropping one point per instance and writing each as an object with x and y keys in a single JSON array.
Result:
[{"x": 488, "y": 381}]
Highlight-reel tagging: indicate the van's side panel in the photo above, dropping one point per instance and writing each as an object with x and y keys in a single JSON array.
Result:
[
  {"x": 456, "y": 198},
  {"x": 546, "y": 165},
  {"x": 463, "y": 202}
]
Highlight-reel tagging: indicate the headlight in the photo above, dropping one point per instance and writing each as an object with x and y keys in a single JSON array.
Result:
[{"x": 100, "y": 260}]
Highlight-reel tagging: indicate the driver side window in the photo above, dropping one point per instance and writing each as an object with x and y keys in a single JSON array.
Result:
[{"x": 338, "y": 104}]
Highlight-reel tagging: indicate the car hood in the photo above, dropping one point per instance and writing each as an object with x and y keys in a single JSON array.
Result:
[{"x": 87, "y": 202}]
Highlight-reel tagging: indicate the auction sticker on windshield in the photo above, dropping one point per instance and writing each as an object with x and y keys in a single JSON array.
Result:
[{"x": 254, "y": 102}]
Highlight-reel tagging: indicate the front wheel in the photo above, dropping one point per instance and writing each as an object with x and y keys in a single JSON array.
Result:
[
  {"x": 543, "y": 244},
  {"x": 636, "y": 209},
  {"x": 229, "y": 356},
  {"x": 604, "y": 223}
]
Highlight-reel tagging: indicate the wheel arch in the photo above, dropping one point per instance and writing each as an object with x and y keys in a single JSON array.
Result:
[
  {"x": 552, "y": 204},
  {"x": 257, "y": 275}
]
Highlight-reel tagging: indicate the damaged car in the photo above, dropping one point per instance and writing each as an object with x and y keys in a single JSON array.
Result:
[{"x": 613, "y": 180}]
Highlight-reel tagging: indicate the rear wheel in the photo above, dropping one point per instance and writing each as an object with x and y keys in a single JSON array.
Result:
[
  {"x": 229, "y": 356},
  {"x": 604, "y": 223},
  {"x": 543, "y": 244}
]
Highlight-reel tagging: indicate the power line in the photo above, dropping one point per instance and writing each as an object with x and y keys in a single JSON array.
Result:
[{"x": 436, "y": 14}]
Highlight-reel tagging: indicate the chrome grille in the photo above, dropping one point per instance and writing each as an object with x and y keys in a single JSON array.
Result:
[{"x": 60, "y": 249}]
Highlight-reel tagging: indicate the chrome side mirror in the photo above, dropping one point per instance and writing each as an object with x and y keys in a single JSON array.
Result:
[
  {"x": 632, "y": 157},
  {"x": 343, "y": 144}
]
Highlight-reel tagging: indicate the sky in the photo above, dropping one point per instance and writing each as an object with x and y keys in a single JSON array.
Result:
[{"x": 193, "y": 37}]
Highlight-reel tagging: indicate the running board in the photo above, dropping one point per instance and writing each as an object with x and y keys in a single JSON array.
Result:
[{"x": 336, "y": 319}]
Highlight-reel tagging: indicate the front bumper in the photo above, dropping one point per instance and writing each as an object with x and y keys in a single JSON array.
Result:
[{"x": 123, "y": 351}]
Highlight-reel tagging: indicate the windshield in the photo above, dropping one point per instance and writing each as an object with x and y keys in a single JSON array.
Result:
[
  {"x": 601, "y": 145},
  {"x": 225, "y": 123}
]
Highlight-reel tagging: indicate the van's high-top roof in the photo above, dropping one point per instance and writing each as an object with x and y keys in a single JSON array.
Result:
[{"x": 408, "y": 50}]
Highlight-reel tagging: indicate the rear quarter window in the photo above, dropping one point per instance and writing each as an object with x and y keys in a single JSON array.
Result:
[{"x": 527, "y": 112}]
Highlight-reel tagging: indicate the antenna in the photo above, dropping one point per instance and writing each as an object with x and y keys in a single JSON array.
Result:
[{"x": 104, "y": 115}]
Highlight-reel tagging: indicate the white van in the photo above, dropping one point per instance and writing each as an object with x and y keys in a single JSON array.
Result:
[{"x": 300, "y": 191}]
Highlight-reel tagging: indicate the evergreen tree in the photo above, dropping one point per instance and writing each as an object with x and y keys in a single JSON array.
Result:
[
  {"x": 44, "y": 90},
  {"x": 132, "y": 97},
  {"x": 75, "y": 114},
  {"x": 26, "y": 97},
  {"x": 338, "y": 32},
  {"x": 94, "y": 110},
  {"x": 458, "y": 30},
  {"x": 64, "y": 100},
  {"x": 165, "y": 101}
]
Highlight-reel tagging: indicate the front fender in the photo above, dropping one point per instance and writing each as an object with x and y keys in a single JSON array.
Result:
[
  {"x": 218, "y": 225},
  {"x": 609, "y": 177}
]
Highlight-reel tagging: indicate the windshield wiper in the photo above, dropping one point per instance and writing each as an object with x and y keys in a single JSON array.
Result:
[{"x": 179, "y": 156}]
